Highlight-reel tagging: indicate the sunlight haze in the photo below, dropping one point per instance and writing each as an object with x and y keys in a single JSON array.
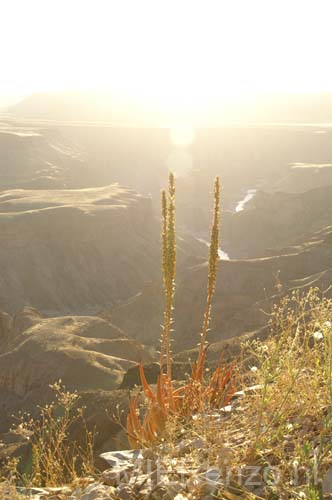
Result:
[{"x": 171, "y": 52}]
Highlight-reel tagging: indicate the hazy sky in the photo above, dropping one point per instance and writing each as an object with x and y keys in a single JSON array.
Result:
[{"x": 167, "y": 49}]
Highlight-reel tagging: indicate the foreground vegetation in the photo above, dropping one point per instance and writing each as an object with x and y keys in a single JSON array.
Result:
[
  {"x": 262, "y": 425},
  {"x": 277, "y": 437}
]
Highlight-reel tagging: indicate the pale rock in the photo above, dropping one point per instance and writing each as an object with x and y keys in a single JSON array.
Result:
[
  {"x": 139, "y": 481},
  {"x": 121, "y": 458},
  {"x": 97, "y": 491},
  {"x": 118, "y": 475},
  {"x": 327, "y": 482},
  {"x": 32, "y": 491},
  {"x": 62, "y": 490}
]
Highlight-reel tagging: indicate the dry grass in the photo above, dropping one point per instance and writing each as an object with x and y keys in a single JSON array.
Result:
[
  {"x": 56, "y": 458},
  {"x": 8, "y": 491},
  {"x": 278, "y": 431}
]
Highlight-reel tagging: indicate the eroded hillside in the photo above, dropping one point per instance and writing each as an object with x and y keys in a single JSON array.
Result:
[{"x": 74, "y": 250}]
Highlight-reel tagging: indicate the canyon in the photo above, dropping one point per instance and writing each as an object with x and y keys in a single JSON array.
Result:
[{"x": 80, "y": 281}]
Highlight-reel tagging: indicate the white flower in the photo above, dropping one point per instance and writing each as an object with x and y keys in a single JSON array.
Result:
[
  {"x": 318, "y": 335},
  {"x": 179, "y": 496},
  {"x": 328, "y": 324},
  {"x": 302, "y": 494},
  {"x": 254, "y": 368}
]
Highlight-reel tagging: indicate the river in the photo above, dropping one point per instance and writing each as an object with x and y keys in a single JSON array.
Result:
[
  {"x": 250, "y": 193},
  {"x": 249, "y": 196},
  {"x": 222, "y": 255}
]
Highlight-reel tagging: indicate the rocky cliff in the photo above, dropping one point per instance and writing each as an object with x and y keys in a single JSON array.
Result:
[
  {"x": 75, "y": 250},
  {"x": 272, "y": 222},
  {"x": 245, "y": 289},
  {"x": 85, "y": 353}
]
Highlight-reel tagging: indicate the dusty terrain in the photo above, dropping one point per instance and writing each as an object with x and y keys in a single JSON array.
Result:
[{"x": 80, "y": 281}]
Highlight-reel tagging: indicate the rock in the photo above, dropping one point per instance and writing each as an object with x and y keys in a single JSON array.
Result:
[
  {"x": 59, "y": 251},
  {"x": 118, "y": 475},
  {"x": 244, "y": 289},
  {"x": 61, "y": 490},
  {"x": 278, "y": 220},
  {"x": 25, "y": 319},
  {"x": 157, "y": 493},
  {"x": 52, "y": 349},
  {"x": 140, "y": 483},
  {"x": 122, "y": 458},
  {"x": 96, "y": 491},
  {"x": 327, "y": 483},
  {"x": 125, "y": 493},
  {"x": 32, "y": 491}
]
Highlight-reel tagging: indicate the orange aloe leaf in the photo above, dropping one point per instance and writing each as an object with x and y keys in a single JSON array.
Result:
[
  {"x": 150, "y": 428},
  {"x": 159, "y": 420},
  {"x": 215, "y": 377},
  {"x": 227, "y": 375},
  {"x": 147, "y": 389}
]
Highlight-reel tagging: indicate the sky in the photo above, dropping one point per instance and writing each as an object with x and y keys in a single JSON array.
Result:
[{"x": 167, "y": 50}]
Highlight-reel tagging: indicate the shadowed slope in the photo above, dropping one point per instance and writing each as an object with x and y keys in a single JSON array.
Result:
[{"x": 75, "y": 250}]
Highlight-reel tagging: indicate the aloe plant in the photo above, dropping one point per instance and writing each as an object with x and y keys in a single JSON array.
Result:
[{"x": 195, "y": 395}]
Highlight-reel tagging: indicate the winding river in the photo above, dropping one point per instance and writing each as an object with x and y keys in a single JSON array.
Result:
[
  {"x": 250, "y": 193},
  {"x": 222, "y": 255},
  {"x": 249, "y": 196}
]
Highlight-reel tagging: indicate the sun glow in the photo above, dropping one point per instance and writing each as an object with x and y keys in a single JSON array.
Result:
[
  {"x": 183, "y": 55},
  {"x": 182, "y": 136}
]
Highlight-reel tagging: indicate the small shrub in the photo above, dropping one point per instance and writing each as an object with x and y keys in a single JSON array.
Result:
[{"x": 56, "y": 459}]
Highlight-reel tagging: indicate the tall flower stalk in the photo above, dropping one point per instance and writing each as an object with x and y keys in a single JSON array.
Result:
[
  {"x": 169, "y": 272},
  {"x": 212, "y": 272}
]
